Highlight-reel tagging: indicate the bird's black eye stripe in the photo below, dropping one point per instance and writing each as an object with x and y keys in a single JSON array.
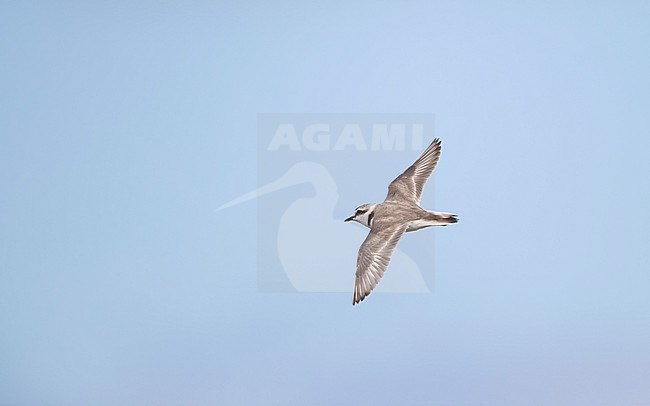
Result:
[{"x": 361, "y": 211}]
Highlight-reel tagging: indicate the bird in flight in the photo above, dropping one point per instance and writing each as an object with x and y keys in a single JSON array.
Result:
[{"x": 388, "y": 221}]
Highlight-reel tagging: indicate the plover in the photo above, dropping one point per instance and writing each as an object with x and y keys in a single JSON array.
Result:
[{"x": 388, "y": 221}]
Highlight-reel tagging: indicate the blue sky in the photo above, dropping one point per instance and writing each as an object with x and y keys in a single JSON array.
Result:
[{"x": 123, "y": 126}]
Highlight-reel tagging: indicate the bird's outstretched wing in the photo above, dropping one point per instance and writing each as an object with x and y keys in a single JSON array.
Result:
[
  {"x": 373, "y": 259},
  {"x": 408, "y": 185}
]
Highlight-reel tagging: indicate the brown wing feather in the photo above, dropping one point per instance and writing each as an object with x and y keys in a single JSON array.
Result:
[
  {"x": 374, "y": 256},
  {"x": 409, "y": 185}
]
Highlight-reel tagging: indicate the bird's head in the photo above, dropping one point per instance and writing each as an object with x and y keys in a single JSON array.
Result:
[{"x": 363, "y": 214}]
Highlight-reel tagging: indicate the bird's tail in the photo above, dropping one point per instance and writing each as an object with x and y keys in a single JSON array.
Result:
[{"x": 444, "y": 218}]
